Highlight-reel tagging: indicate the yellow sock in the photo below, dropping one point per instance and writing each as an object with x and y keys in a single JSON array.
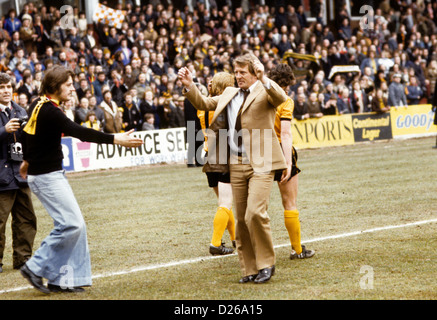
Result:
[
  {"x": 220, "y": 222},
  {"x": 291, "y": 219},
  {"x": 231, "y": 224}
]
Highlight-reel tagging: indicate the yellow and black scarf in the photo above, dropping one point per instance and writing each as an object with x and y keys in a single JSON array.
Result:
[{"x": 30, "y": 127}]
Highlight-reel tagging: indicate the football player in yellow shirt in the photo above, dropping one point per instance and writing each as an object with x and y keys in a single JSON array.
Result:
[{"x": 283, "y": 75}]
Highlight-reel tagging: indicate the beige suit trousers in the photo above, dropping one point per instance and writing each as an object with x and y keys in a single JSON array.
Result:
[{"x": 251, "y": 193}]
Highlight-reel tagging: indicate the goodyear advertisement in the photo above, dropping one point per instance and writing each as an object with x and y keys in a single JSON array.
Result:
[{"x": 413, "y": 121}]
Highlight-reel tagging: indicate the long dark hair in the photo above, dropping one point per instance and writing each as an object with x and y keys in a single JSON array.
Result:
[{"x": 54, "y": 77}]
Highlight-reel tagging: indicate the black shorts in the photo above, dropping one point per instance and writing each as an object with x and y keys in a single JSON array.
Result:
[
  {"x": 215, "y": 177},
  {"x": 294, "y": 169}
]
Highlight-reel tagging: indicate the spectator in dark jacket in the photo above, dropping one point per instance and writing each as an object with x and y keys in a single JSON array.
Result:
[
  {"x": 300, "y": 111},
  {"x": 396, "y": 92},
  {"x": 344, "y": 104},
  {"x": 160, "y": 67},
  {"x": 113, "y": 40},
  {"x": 149, "y": 106},
  {"x": 379, "y": 103},
  {"x": 15, "y": 195},
  {"x": 131, "y": 114},
  {"x": 345, "y": 31},
  {"x": 97, "y": 86},
  {"x": 16, "y": 43},
  {"x": 414, "y": 92}
]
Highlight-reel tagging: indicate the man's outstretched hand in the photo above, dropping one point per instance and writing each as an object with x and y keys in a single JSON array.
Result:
[{"x": 125, "y": 139}]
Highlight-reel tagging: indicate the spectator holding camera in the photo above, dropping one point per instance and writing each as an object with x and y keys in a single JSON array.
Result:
[{"x": 15, "y": 195}]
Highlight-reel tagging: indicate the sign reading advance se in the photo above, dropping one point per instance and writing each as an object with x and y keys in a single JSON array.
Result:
[
  {"x": 160, "y": 146},
  {"x": 369, "y": 127}
]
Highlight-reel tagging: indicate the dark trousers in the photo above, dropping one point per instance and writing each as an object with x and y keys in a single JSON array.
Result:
[{"x": 19, "y": 204}]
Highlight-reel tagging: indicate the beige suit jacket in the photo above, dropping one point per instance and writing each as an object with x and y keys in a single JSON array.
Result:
[{"x": 257, "y": 120}]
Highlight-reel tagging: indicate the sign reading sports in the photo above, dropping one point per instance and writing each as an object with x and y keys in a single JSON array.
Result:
[{"x": 322, "y": 132}]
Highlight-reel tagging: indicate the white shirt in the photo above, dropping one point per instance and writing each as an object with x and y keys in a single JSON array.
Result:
[
  {"x": 3, "y": 108},
  {"x": 91, "y": 40},
  {"x": 232, "y": 112}
]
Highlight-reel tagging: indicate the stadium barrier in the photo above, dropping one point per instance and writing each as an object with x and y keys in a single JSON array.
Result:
[{"x": 168, "y": 145}]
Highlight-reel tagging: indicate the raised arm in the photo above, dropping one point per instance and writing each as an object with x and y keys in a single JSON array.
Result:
[
  {"x": 199, "y": 101},
  {"x": 276, "y": 94},
  {"x": 186, "y": 77}
]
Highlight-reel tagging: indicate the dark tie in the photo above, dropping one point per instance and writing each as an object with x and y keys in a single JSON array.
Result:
[
  {"x": 239, "y": 139},
  {"x": 8, "y": 112}
]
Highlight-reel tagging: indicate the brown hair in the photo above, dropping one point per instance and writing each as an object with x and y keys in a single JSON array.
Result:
[
  {"x": 282, "y": 74},
  {"x": 54, "y": 78},
  {"x": 148, "y": 116},
  {"x": 220, "y": 82},
  {"x": 89, "y": 114}
]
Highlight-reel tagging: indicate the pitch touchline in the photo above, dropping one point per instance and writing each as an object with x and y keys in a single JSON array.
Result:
[{"x": 187, "y": 261}]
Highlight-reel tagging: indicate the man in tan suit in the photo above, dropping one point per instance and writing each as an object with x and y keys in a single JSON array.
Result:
[{"x": 252, "y": 155}]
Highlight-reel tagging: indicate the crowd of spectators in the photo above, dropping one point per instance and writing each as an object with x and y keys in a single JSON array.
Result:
[{"x": 127, "y": 77}]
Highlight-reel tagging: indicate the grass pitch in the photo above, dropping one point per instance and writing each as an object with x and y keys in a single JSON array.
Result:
[{"x": 149, "y": 229}]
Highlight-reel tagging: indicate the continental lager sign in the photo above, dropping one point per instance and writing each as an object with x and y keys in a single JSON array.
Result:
[
  {"x": 321, "y": 132},
  {"x": 371, "y": 126}
]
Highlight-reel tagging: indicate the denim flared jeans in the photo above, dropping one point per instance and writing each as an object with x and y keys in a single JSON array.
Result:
[{"x": 63, "y": 257}]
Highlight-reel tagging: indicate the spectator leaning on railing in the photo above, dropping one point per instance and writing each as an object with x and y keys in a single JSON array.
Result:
[{"x": 396, "y": 92}]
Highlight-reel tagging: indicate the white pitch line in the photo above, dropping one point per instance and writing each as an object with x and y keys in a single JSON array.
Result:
[
  {"x": 200, "y": 259},
  {"x": 355, "y": 233}
]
